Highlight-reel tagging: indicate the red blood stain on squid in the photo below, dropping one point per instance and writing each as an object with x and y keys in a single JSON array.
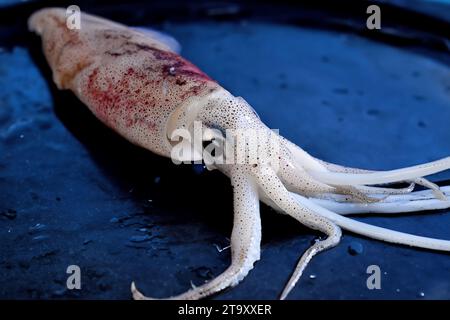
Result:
[
  {"x": 172, "y": 61},
  {"x": 114, "y": 101},
  {"x": 163, "y": 82}
]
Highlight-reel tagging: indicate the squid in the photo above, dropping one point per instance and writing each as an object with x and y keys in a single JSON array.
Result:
[{"x": 136, "y": 83}]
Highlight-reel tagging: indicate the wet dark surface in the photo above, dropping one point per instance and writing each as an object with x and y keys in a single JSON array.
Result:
[{"x": 73, "y": 192}]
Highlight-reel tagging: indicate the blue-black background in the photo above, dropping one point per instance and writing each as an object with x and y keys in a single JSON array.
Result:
[{"x": 73, "y": 192}]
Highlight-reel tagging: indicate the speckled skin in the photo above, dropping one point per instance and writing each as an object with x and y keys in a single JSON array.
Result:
[
  {"x": 137, "y": 86},
  {"x": 130, "y": 81}
]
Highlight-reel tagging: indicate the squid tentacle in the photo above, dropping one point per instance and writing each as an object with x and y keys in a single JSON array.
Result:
[
  {"x": 383, "y": 176},
  {"x": 338, "y": 174},
  {"x": 245, "y": 242},
  {"x": 437, "y": 191},
  {"x": 349, "y": 170},
  {"x": 274, "y": 190},
  {"x": 386, "y": 191},
  {"x": 413, "y": 202},
  {"x": 412, "y": 196},
  {"x": 299, "y": 181},
  {"x": 375, "y": 232},
  {"x": 331, "y": 241}
]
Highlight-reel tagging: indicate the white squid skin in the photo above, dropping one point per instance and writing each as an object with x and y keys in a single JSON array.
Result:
[{"x": 140, "y": 88}]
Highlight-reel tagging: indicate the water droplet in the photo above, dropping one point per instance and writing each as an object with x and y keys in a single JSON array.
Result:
[
  {"x": 157, "y": 180},
  {"x": 355, "y": 248},
  {"x": 397, "y": 290},
  {"x": 172, "y": 71},
  {"x": 421, "y": 294},
  {"x": 312, "y": 276}
]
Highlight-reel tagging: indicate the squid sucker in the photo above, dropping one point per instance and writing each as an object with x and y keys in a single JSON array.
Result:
[{"x": 136, "y": 83}]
